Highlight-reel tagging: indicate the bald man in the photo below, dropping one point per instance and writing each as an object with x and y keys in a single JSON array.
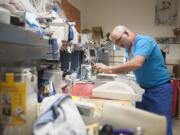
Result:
[{"x": 144, "y": 58}]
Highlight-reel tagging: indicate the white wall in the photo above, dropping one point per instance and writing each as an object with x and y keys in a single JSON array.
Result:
[
  {"x": 82, "y": 6},
  {"x": 178, "y": 22},
  {"x": 137, "y": 15}
]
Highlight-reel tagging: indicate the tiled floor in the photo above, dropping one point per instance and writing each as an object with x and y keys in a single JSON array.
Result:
[
  {"x": 176, "y": 123},
  {"x": 176, "y": 126}
]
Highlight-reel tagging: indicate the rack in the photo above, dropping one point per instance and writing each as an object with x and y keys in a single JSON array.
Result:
[{"x": 21, "y": 46}]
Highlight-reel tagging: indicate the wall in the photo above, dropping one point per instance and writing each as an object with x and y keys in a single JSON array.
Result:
[
  {"x": 82, "y": 6},
  {"x": 138, "y": 15},
  {"x": 178, "y": 21},
  {"x": 72, "y": 13}
]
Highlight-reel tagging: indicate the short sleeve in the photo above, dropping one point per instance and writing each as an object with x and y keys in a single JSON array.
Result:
[{"x": 144, "y": 48}]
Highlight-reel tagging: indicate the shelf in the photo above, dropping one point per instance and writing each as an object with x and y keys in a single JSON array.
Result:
[
  {"x": 18, "y": 45},
  {"x": 172, "y": 61},
  {"x": 168, "y": 40}
]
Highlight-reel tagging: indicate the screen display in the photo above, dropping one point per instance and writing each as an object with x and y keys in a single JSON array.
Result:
[{"x": 92, "y": 52}]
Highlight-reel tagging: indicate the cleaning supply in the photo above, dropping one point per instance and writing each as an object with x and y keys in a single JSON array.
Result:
[{"x": 17, "y": 101}]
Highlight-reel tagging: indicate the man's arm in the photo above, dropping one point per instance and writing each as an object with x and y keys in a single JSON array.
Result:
[{"x": 131, "y": 65}]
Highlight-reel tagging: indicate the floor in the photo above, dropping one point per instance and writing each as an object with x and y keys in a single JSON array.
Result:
[
  {"x": 176, "y": 123},
  {"x": 176, "y": 126}
]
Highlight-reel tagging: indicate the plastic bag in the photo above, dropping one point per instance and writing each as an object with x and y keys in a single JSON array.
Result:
[{"x": 60, "y": 117}]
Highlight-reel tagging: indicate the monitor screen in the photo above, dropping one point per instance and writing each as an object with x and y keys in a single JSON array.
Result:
[{"x": 92, "y": 53}]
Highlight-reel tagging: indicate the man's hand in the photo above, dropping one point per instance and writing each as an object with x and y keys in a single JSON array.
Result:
[
  {"x": 102, "y": 68},
  {"x": 131, "y": 65}
]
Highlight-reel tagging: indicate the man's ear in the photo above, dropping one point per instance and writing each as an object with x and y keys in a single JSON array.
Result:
[{"x": 127, "y": 33}]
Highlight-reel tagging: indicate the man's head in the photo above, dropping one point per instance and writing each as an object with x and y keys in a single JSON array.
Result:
[{"x": 121, "y": 36}]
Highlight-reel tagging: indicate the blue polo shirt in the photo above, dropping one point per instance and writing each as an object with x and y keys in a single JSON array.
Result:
[{"x": 153, "y": 72}]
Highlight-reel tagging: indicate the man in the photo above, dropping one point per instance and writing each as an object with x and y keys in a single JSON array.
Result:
[{"x": 144, "y": 58}]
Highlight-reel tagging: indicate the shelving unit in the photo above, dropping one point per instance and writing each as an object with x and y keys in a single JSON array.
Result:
[{"x": 21, "y": 46}]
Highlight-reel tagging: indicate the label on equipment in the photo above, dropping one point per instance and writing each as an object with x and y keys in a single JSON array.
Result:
[{"x": 12, "y": 101}]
